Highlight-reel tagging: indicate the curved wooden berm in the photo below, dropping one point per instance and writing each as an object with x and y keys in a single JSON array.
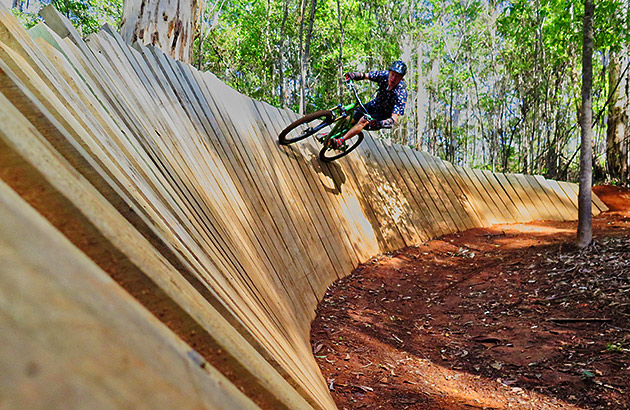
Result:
[{"x": 123, "y": 169}]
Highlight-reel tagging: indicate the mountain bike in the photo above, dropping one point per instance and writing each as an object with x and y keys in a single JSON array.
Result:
[{"x": 326, "y": 125}]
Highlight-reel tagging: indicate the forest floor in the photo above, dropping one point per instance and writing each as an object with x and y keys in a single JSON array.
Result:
[{"x": 512, "y": 316}]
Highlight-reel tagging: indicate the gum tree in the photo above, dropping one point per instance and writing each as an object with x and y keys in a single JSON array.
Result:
[{"x": 167, "y": 25}]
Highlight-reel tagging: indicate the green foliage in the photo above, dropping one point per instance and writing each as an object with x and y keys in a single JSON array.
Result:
[
  {"x": 247, "y": 42},
  {"x": 86, "y": 15},
  {"x": 28, "y": 19},
  {"x": 617, "y": 347},
  {"x": 492, "y": 84}
]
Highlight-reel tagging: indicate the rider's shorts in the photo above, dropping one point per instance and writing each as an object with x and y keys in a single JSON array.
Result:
[{"x": 373, "y": 110}]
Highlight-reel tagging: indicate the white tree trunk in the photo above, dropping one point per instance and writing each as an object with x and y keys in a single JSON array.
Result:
[
  {"x": 169, "y": 25},
  {"x": 422, "y": 99},
  {"x": 585, "y": 224},
  {"x": 618, "y": 116}
]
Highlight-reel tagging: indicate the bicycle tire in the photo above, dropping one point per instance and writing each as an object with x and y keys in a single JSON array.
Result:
[
  {"x": 314, "y": 122},
  {"x": 326, "y": 150}
]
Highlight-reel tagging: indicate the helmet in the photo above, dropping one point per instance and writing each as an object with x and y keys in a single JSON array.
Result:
[{"x": 399, "y": 67}]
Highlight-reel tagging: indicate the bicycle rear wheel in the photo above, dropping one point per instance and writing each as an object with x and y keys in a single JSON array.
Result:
[
  {"x": 305, "y": 127},
  {"x": 328, "y": 154}
]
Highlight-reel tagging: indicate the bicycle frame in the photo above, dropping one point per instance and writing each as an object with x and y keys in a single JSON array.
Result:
[{"x": 343, "y": 122}]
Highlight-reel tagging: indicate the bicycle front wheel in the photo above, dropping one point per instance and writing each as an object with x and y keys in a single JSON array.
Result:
[
  {"x": 328, "y": 154},
  {"x": 305, "y": 127}
]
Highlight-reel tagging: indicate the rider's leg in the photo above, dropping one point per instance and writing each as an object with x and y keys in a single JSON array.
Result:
[{"x": 355, "y": 129}]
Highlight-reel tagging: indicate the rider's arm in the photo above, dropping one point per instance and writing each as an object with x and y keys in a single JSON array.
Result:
[{"x": 355, "y": 76}]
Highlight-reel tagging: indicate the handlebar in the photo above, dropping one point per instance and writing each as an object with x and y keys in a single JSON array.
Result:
[{"x": 351, "y": 87}]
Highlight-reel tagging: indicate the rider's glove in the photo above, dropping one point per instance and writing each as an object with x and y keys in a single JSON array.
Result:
[
  {"x": 354, "y": 76},
  {"x": 387, "y": 123},
  {"x": 374, "y": 124}
]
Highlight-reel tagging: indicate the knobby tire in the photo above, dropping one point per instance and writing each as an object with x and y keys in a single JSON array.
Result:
[
  {"x": 328, "y": 154},
  {"x": 319, "y": 120}
]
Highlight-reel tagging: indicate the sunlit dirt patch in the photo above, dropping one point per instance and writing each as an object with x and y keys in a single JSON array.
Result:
[{"x": 512, "y": 316}]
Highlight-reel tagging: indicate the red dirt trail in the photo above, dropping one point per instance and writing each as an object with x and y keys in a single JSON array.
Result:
[{"x": 506, "y": 317}]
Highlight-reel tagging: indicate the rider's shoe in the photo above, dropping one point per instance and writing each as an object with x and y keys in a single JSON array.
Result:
[
  {"x": 336, "y": 143},
  {"x": 321, "y": 136}
]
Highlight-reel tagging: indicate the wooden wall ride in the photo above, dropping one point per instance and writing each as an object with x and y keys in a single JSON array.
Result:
[{"x": 147, "y": 171}]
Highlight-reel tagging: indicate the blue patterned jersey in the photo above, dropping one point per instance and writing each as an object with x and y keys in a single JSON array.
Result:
[{"x": 388, "y": 102}]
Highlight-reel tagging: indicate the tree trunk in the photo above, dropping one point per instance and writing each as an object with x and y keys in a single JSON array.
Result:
[
  {"x": 169, "y": 26},
  {"x": 421, "y": 100},
  {"x": 306, "y": 55},
  {"x": 618, "y": 129},
  {"x": 585, "y": 223},
  {"x": 283, "y": 87},
  {"x": 301, "y": 58},
  {"x": 341, "y": 41}
]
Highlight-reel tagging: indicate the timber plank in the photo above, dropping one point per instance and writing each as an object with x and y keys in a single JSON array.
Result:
[
  {"x": 548, "y": 197},
  {"x": 326, "y": 194},
  {"x": 436, "y": 173},
  {"x": 338, "y": 179},
  {"x": 21, "y": 146},
  {"x": 507, "y": 208},
  {"x": 309, "y": 355},
  {"x": 283, "y": 330},
  {"x": 470, "y": 194},
  {"x": 76, "y": 366},
  {"x": 307, "y": 352},
  {"x": 322, "y": 205},
  {"x": 269, "y": 215},
  {"x": 286, "y": 236},
  {"x": 467, "y": 193},
  {"x": 512, "y": 197},
  {"x": 567, "y": 200},
  {"x": 365, "y": 239},
  {"x": 414, "y": 221},
  {"x": 435, "y": 207},
  {"x": 457, "y": 195},
  {"x": 304, "y": 232},
  {"x": 388, "y": 190},
  {"x": 245, "y": 187},
  {"x": 320, "y": 194},
  {"x": 529, "y": 207},
  {"x": 468, "y": 215},
  {"x": 295, "y": 341},
  {"x": 145, "y": 179},
  {"x": 315, "y": 274},
  {"x": 424, "y": 202},
  {"x": 370, "y": 188},
  {"x": 487, "y": 190},
  {"x": 108, "y": 128},
  {"x": 442, "y": 208},
  {"x": 486, "y": 195},
  {"x": 425, "y": 207},
  {"x": 371, "y": 240},
  {"x": 255, "y": 283},
  {"x": 598, "y": 203},
  {"x": 544, "y": 211}
]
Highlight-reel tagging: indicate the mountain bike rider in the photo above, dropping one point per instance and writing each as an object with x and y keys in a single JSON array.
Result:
[{"x": 386, "y": 107}]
